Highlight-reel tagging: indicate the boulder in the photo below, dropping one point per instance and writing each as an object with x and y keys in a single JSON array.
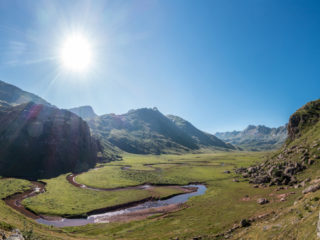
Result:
[
  {"x": 245, "y": 175},
  {"x": 17, "y": 235},
  {"x": 245, "y": 223},
  {"x": 289, "y": 171},
  {"x": 311, "y": 188},
  {"x": 252, "y": 169},
  {"x": 310, "y": 161},
  {"x": 318, "y": 228},
  {"x": 261, "y": 179},
  {"x": 240, "y": 170},
  {"x": 270, "y": 171},
  {"x": 262, "y": 201}
]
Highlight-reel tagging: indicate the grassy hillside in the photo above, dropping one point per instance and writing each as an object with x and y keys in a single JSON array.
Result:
[
  {"x": 300, "y": 160},
  {"x": 301, "y": 150},
  {"x": 202, "y": 139},
  {"x": 145, "y": 131}
]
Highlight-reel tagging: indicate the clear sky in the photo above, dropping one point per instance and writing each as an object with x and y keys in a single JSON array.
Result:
[{"x": 219, "y": 64}]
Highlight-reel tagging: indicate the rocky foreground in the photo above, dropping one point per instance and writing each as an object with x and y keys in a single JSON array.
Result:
[
  {"x": 301, "y": 150},
  {"x": 11, "y": 235}
]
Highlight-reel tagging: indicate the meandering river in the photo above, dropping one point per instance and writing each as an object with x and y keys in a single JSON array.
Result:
[
  {"x": 144, "y": 209},
  {"x": 104, "y": 217}
]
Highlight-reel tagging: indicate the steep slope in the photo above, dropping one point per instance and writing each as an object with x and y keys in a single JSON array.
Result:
[
  {"x": 14, "y": 95},
  {"x": 39, "y": 141},
  {"x": 145, "y": 131},
  {"x": 202, "y": 139},
  {"x": 256, "y": 138},
  {"x": 300, "y": 151},
  {"x": 296, "y": 164},
  {"x": 85, "y": 112}
]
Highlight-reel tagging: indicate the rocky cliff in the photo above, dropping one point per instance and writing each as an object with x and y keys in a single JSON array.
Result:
[
  {"x": 301, "y": 150},
  {"x": 39, "y": 141},
  {"x": 303, "y": 119}
]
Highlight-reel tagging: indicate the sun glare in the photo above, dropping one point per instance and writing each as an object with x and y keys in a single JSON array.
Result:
[{"x": 76, "y": 53}]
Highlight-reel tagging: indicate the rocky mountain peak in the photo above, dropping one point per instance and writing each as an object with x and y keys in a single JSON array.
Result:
[
  {"x": 303, "y": 118},
  {"x": 85, "y": 112}
]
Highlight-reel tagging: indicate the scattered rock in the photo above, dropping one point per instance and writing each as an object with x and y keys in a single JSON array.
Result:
[
  {"x": 252, "y": 170},
  {"x": 245, "y": 223},
  {"x": 235, "y": 180},
  {"x": 311, "y": 188},
  {"x": 318, "y": 228},
  {"x": 261, "y": 179},
  {"x": 17, "y": 235},
  {"x": 310, "y": 161},
  {"x": 315, "y": 181},
  {"x": 228, "y": 172},
  {"x": 262, "y": 201},
  {"x": 2, "y": 235},
  {"x": 289, "y": 171},
  {"x": 245, "y": 175},
  {"x": 240, "y": 170},
  {"x": 196, "y": 238}
]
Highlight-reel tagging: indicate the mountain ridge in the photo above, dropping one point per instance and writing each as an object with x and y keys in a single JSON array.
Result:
[
  {"x": 300, "y": 151},
  {"x": 147, "y": 130},
  {"x": 256, "y": 138},
  {"x": 85, "y": 112},
  {"x": 15, "y": 96},
  {"x": 202, "y": 138}
]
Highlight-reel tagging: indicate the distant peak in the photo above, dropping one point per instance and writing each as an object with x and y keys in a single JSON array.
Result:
[
  {"x": 145, "y": 109},
  {"x": 85, "y": 112},
  {"x": 250, "y": 127}
]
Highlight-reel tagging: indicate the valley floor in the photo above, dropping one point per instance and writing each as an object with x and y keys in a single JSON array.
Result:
[{"x": 227, "y": 201}]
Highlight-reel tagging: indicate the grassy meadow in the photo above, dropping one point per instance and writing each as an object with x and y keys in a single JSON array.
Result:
[{"x": 225, "y": 202}]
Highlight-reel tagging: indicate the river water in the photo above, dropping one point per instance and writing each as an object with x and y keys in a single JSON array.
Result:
[{"x": 97, "y": 218}]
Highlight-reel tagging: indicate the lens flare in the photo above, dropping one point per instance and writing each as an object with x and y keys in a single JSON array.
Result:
[{"x": 76, "y": 53}]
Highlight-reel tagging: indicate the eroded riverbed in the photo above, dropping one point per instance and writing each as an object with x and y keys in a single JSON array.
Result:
[
  {"x": 126, "y": 212},
  {"x": 136, "y": 212}
]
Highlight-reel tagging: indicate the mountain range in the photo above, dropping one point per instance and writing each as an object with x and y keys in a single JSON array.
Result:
[
  {"x": 256, "y": 138},
  {"x": 40, "y": 140},
  {"x": 148, "y": 131}
]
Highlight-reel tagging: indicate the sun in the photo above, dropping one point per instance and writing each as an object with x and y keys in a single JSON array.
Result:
[{"x": 76, "y": 53}]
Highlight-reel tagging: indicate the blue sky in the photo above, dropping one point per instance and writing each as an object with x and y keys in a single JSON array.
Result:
[{"x": 219, "y": 64}]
